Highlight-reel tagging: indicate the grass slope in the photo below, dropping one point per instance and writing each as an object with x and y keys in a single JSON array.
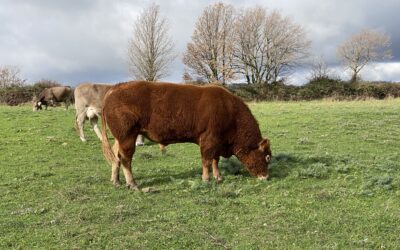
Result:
[{"x": 335, "y": 181}]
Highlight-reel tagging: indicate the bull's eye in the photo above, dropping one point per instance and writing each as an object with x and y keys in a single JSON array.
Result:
[{"x": 268, "y": 158}]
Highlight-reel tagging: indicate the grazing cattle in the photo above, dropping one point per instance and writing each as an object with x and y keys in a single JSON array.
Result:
[
  {"x": 89, "y": 105},
  {"x": 53, "y": 95},
  {"x": 210, "y": 116}
]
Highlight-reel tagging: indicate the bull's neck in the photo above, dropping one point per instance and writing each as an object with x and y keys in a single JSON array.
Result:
[{"x": 248, "y": 133}]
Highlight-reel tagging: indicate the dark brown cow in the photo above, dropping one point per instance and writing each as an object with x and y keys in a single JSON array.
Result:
[
  {"x": 219, "y": 122},
  {"x": 53, "y": 95}
]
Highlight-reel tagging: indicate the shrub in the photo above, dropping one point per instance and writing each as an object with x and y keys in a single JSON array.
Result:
[{"x": 317, "y": 88}]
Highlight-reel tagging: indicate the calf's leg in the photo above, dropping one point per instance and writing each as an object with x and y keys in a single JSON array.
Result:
[
  {"x": 80, "y": 121},
  {"x": 66, "y": 104},
  {"x": 96, "y": 129}
]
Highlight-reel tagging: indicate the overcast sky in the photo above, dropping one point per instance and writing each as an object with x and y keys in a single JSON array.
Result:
[{"x": 72, "y": 41}]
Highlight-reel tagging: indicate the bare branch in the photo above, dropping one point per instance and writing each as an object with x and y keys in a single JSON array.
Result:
[
  {"x": 209, "y": 54},
  {"x": 267, "y": 45},
  {"x": 362, "y": 48},
  {"x": 151, "y": 50},
  {"x": 10, "y": 76}
]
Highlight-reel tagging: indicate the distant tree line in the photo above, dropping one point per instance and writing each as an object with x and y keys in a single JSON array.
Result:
[
  {"x": 252, "y": 46},
  {"x": 317, "y": 89},
  {"x": 15, "y": 91}
]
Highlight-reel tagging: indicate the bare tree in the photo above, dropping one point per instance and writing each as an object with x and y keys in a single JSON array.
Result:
[
  {"x": 319, "y": 69},
  {"x": 210, "y": 53},
  {"x": 10, "y": 76},
  {"x": 363, "y": 47},
  {"x": 151, "y": 50},
  {"x": 267, "y": 45}
]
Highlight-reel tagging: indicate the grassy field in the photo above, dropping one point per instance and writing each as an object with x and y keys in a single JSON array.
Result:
[{"x": 335, "y": 183}]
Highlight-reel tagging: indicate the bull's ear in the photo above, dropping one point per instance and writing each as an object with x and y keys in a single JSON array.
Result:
[{"x": 264, "y": 145}]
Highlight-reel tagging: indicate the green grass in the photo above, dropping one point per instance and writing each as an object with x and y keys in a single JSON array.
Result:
[{"x": 335, "y": 183}]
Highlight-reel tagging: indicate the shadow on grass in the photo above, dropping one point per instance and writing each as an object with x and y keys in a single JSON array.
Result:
[
  {"x": 282, "y": 164},
  {"x": 163, "y": 179}
]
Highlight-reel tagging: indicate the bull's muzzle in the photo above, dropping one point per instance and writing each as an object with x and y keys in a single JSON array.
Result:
[{"x": 263, "y": 178}]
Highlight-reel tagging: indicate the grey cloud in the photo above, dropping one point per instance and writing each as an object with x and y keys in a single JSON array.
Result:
[{"x": 74, "y": 41}]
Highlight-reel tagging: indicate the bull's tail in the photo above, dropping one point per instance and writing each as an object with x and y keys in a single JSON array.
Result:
[{"x": 107, "y": 152}]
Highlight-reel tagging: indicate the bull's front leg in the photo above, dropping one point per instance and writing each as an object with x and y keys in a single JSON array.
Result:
[
  {"x": 216, "y": 174},
  {"x": 206, "y": 167}
]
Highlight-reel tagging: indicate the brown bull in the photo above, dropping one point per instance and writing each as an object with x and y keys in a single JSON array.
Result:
[
  {"x": 53, "y": 95},
  {"x": 219, "y": 122}
]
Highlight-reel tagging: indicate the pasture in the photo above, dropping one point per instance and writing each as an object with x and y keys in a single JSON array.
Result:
[{"x": 334, "y": 183}]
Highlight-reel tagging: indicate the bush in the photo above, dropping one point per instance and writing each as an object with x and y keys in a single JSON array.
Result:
[
  {"x": 16, "y": 95},
  {"x": 318, "y": 88}
]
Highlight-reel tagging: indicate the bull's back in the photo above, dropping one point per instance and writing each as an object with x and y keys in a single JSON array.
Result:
[{"x": 170, "y": 113}]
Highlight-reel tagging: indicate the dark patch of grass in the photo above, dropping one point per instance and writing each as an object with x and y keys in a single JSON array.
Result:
[{"x": 316, "y": 170}]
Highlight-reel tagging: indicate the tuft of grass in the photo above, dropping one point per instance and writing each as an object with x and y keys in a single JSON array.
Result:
[{"x": 315, "y": 170}]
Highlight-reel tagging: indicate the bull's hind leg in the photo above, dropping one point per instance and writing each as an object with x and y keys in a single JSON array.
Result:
[
  {"x": 116, "y": 165},
  {"x": 126, "y": 149}
]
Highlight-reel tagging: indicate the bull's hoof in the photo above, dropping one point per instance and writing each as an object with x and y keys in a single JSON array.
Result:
[
  {"x": 139, "y": 144},
  {"x": 116, "y": 183},
  {"x": 83, "y": 139},
  {"x": 205, "y": 179},
  {"x": 218, "y": 179},
  {"x": 132, "y": 187}
]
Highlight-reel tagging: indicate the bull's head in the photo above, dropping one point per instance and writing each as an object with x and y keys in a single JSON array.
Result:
[
  {"x": 265, "y": 147},
  {"x": 257, "y": 159}
]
